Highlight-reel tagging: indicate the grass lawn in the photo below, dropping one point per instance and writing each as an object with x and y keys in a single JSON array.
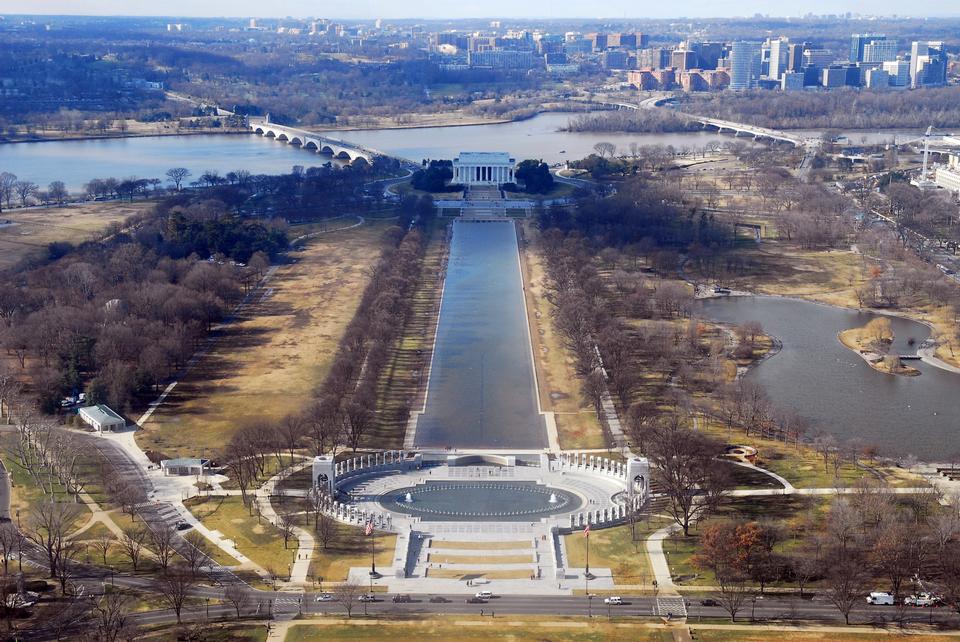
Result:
[
  {"x": 465, "y": 627},
  {"x": 261, "y": 542},
  {"x": 789, "y": 512},
  {"x": 442, "y": 558},
  {"x": 24, "y": 491},
  {"x": 269, "y": 363},
  {"x": 613, "y": 548},
  {"x": 35, "y": 229},
  {"x": 480, "y": 546},
  {"x": 218, "y": 633},
  {"x": 559, "y": 190},
  {"x": 865, "y": 633},
  {"x": 559, "y": 386},
  {"x": 350, "y": 549}
]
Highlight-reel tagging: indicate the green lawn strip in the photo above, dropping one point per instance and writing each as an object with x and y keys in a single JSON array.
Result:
[
  {"x": 790, "y": 512},
  {"x": 261, "y": 542},
  {"x": 615, "y": 549},
  {"x": 350, "y": 548},
  {"x": 473, "y": 628}
]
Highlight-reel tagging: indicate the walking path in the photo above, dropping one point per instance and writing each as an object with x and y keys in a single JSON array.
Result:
[{"x": 306, "y": 542}]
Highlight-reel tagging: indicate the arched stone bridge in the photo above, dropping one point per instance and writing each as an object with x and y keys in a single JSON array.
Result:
[{"x": 308, "y": 140}]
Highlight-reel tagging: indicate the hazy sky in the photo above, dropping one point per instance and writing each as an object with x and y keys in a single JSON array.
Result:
[{"x": 474, "y": 8}]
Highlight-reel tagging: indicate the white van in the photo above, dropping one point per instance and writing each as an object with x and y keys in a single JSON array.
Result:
[
  {"x": 880, "y": 599},
  {"x": 484, "y": 595}
]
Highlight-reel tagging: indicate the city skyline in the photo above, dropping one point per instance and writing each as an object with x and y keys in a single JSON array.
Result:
[{"x": 372, "y": 9}]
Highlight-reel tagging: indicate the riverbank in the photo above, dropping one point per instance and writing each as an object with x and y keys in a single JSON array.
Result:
[
  {"x": 872, "y": 342},
  {"x": 60, "y": 136},
  {"x": 457, "y": 118}
]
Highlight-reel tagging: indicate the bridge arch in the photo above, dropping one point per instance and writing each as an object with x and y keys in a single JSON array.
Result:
[{"x": 296, "y": 141}]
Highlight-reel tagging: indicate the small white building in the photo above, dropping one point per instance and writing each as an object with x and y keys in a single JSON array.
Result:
[
  {"x": 102, "y": 418},
  {"x": 948, "y": 177},
  {"x": 184, "y": 466},
  {"x": 483, "y": 168}
]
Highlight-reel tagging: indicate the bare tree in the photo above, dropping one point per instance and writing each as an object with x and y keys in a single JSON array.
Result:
[
  {"x": 346, "y": 593},
  {"x": 177, "y": 176},
  {"x": 236, "y": 596},
  {"x": 174, "y": 587},
  {"x": 196, "y": 551},
  {"x": 47, "y": 527},
  {"x": 57, "y": 192},
  {"x": 327, "y": 529},
  {"x": 687, "y": 470},
  {"x": 845, "y": 583},
  {"x": 111, "y": 619},
  {"x": 101, "y": 544},
  {"x": 132, "y": 544},
  {"x": 162, "y": 537}
]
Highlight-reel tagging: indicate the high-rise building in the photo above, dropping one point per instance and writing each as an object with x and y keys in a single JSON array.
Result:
[
  {"x": 928, "y": 64},
  {"x": 791, "y": 80},
  {"x": 744, "y": 64},
  {"x": 653, "y": 58},
  {"x": 708, "y": 53},
  {"x": 899, "y": 71},
  {"x": 877, "y": 79},
  {"x": 819, "y": 58},
  {"x": 615, "y": 59},
  {"x": 794, "y": 57},
  {"x": 683, "y": 59},
  {"x": 858, "y": 41},
  {"x": 779, "y": 57},
  {"x": 879, "y": 51}
]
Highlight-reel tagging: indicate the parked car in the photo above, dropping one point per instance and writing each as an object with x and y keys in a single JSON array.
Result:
[
  {"x": 485, "y": 595},
  {"x": 438, "y": 599},
  {"x": 367, "y": 597},
  {"x": 475, "y": 600},
  {"x": 402, "y": 599},
  {"x": 183, "y": 525},
  {"x": 325, "y": 597},
  {"x": 613, "y": 599},
  {"x": 880, "y": 599},
  {"x": 709, "y": 602}
]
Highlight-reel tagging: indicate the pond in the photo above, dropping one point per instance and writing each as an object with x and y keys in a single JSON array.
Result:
[
  {"x": 480, "y": 501},
  {"x": 481, "y": 391},
  {"x": 818, "y": 377}
]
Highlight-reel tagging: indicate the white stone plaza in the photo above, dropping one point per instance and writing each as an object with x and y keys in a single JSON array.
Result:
[{"x": 483, "y": 168}]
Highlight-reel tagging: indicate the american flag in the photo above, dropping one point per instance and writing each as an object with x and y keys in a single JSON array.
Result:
[
  {"x": 586, "y": 531},
  {"x": 369, "y": 528}
]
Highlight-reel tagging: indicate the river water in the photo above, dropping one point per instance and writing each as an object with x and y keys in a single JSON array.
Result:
[
  {"x": 75, "y": 162},
  {"x": 537, "y": 137},
  {"x": 481, "y": 391},
  {"x": 821, "y": 379}
]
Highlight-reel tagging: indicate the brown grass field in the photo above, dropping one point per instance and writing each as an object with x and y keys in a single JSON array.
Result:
[
  {"x": 268, "y": 363},
  {"x": 32, "y": 230},
  {"x": 559, "y": 387}
]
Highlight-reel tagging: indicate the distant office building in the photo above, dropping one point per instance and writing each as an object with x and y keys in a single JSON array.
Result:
[
  {"x": 877, "y": 79},
  {"x": 598, "y": 41},
  {"x": 880, "y": 51},
  {"x": 834, "y": 76},
  {"x": 858, "y": 42},
  {"x": 624, "y": 40},
  {"x": 708, "y": 53},
  {"x": 573, "y": 47},
  {"x": 501, "y": 59},
  {"x": 683, "y": 59},
  {"x": 643, "y": 79},
  {"x": 899, "y": 72},
  {"x": 655, "y": 58},
  {"x": 791, "y": 80},
  {"x": 779, "y": 57},
  {"x": 566, "y": 69},
  {"x": 615, "y": 59},
  {"x": 928, "y": 64},
  {"x": 794, "y": 57},
  {"x": 253, "y": 23},
  {"x": 555, "y": 58},
  {"x": 744, "y": 64},
  {"x": 819, "y": 58}
]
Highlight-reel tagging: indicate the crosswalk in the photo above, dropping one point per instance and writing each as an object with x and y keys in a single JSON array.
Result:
[{"x": 672, "y": 606}]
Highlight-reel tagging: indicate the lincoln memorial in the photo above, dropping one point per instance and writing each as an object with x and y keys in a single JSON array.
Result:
[{"x": 483, "y": 168}]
